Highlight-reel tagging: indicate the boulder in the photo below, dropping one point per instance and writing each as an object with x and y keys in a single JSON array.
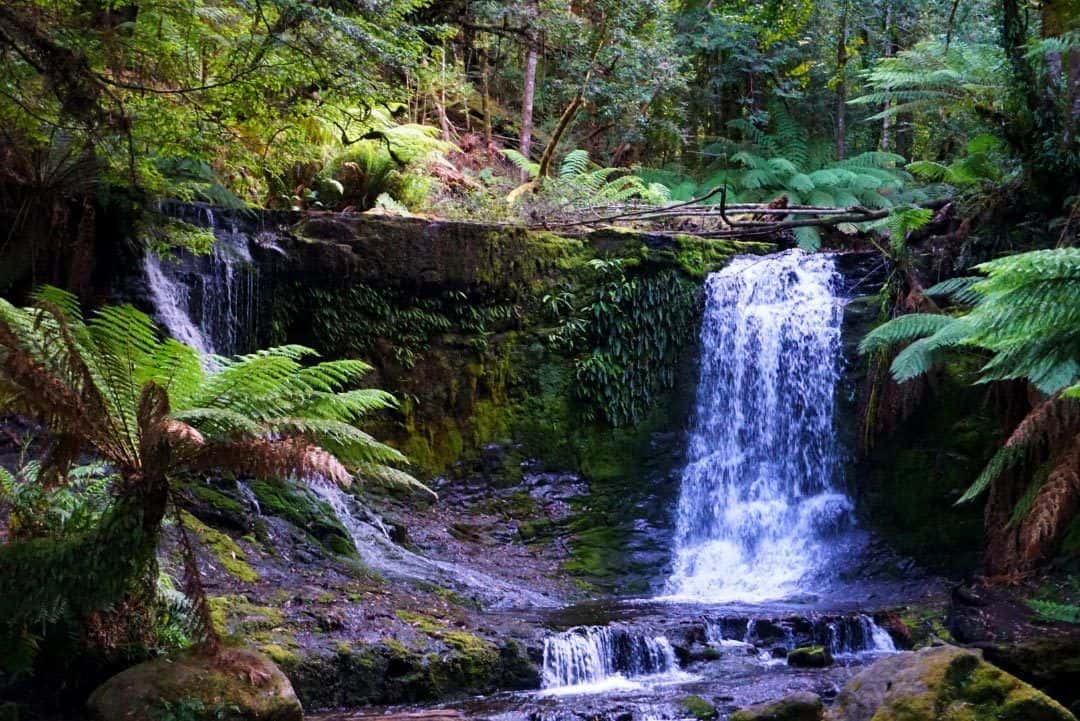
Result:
[
  {"x": 810, "y": 657},
  {"x": 943, "y": 683},
  {"x": 699, "y": 708},
  {"x": 804, "y": 706},
  {"x": 233, "y": 685}
]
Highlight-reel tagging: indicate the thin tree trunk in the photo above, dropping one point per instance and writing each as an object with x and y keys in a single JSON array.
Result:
[
  {"x": 528, "y": 92},
  {"x": 568, "y": 114},
  {"x": 485, "y": 98},
  {"x": 886, "y": 121},
  {"x": 841, "y": 87}
]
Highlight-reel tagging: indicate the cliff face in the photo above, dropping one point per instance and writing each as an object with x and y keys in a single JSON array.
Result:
[{"x": 511, "y": 351}]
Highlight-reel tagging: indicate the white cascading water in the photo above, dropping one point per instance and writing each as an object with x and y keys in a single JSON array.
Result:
[
  {"x": 591, "y": 656},
  {"x": 207, "y": 302},
  {"x": 758, "y": 495},
  {"x": 844, "y": 636},
  {"x": 373, "y": 544}
]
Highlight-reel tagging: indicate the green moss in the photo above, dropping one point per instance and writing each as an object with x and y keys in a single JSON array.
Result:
[
  {"x": 235, "y": 615},
  {"x": 467, "y": 643},
  {"x": 810, "y": 657},
  {"x": 916, "y": 474},
  {"x": 280, "y": 498},
  {"x": 699, "y": 708},
  {"x": 216, "y": 500},
  {"x": 280, "y": 655},
  {"x": 424, "y": 624},
  {"x": 697, "y": 257},
  {"x": 229, "y": 555},
  {"x": 924, "y": 625}
]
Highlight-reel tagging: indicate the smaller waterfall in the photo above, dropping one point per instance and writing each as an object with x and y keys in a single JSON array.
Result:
[
  {"x": 249, "y": 495},
  {"x": 171, "y": 298},
  {"x": 208, "y": 302},
  {"x": 378, "y": 551},
  {"x": 595, "y": 654},
  {"x": 844, "y": 636},
  {"x": 853, "y": 636}
]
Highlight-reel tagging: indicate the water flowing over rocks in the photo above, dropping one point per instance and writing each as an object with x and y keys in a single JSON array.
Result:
[
  {"x": 761, "y": 554},
  {"x": 759, "y": 492}
]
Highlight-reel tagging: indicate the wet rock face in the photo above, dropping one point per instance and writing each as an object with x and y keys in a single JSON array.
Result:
[
  {"x": 944, "y": 682},
  {"x": 803, "y": 706},
  {"x": 234, "y": 685},
  {"x": 391, "y": 673}
]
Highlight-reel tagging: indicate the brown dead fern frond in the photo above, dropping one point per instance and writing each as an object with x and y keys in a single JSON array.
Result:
[
  {"x": 1049, "y": 424},
  {"x": 1055, "y": 506},
  {"x": 264, "y": 457}
]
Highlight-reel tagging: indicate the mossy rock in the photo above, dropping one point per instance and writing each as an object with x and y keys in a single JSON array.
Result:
[
  {"x": 942, "y": 683},
  {"x": 236, "y": 616},
  {"x": 230, "y": 556},
  {"x": 810, "y": 657},
  {"x": 233, "y": 685},
  {"x": 803, "y": 706},
  {"x": 699, "y": 708},
  {"x": 279, "y": 498}
]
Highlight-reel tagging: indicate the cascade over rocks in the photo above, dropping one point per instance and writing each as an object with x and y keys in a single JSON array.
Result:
[{"x": 234, "y": 685}]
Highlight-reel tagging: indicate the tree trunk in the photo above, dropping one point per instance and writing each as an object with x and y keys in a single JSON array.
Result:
[
  {"x": 1003, "y": 554},
  {"x": 841, "y": 87},
  {"x": 485, "y": 100},
  {"x": 568, "y": 115},
  {"x": 886, "y": 122},
  {"x": 528, "y": 92}
]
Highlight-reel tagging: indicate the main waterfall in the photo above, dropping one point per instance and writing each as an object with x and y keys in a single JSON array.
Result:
[{"x": 759, "y": 495}]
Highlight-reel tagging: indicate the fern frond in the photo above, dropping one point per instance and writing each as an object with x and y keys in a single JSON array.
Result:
[{"x": 903, "y": 329}]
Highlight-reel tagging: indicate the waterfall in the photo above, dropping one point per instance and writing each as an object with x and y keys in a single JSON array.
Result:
[
  {"x": 595, "y": 654},
  {"x": 845, "y": 636},
  {"x": 758, "y": 493},
  {"x": 859, "y": 635},
  {"x": 209, "y": 302}
]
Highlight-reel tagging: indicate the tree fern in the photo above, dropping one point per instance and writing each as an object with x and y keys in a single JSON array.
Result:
[
  {"x": 153, "y": 407},
  {"x": 1024, "y": 315},
  {"x": 964, "y": 77}
]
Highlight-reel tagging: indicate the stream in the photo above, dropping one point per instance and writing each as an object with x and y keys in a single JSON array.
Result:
[{"x": 763, "y": 526}]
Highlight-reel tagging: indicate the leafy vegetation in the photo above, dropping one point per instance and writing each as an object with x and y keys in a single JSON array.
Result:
[
  {"x": 943, "y": 136},
  {"x": 1023, "y": 317},
  {"x": 151, "y": 409}
]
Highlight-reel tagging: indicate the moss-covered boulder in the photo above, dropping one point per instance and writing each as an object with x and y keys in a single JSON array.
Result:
[
  {"x": 803, "y": 706},
  {"x": 233, "y": 685},
  {"x": 699, "y": 708},
  {"x": 944, "y": 683},
  {"x": 810, "y": 657}
]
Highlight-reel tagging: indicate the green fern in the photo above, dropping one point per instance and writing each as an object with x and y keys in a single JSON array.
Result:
[
  {"x": 152, "y": 408},
  {"x": 1051, "y": 611},
  {"x": 1024, "y": 314},
  {"x": 966, "y": 77}
]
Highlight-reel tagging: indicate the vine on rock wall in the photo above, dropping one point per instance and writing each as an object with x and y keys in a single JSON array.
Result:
[{"x": 625, "y": 337}]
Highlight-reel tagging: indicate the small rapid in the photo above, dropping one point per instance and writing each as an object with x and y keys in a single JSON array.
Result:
[{"x": 598, "y": 658}]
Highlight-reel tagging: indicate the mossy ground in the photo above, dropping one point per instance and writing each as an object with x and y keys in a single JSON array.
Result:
[{"x": 225, "y": 551}]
